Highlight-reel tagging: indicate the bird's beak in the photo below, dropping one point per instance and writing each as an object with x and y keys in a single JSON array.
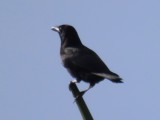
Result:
[{"x": 55, "y": 29}]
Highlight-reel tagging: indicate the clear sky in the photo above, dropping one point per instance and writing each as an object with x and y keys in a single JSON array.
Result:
[{"x": 34, "y": 84}]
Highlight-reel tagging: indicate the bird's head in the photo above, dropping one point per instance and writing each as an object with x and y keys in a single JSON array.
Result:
[
  {"x": 68, "y": 34},
  {"x": 62, "y": 28}
]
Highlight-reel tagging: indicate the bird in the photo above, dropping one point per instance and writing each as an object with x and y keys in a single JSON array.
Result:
[{"x": 80, "y": 61}]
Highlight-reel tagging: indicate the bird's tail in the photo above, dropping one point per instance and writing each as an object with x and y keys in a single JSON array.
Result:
[{"x": 111, "y": 76}]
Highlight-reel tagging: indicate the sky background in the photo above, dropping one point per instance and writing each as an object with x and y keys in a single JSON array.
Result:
[{"x": 34, "y": 84}]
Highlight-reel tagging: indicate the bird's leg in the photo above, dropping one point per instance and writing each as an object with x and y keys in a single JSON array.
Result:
[{"x": 84, "y": 91}]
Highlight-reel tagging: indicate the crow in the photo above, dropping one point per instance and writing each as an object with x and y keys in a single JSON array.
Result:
[{"x": 80, "y": 61}]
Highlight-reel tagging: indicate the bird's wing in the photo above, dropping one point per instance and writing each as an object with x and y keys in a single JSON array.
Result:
[{"x": 88, "y": 60}]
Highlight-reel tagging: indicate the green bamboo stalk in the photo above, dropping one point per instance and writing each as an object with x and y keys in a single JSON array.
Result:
[{"x": 86, "y": 115}]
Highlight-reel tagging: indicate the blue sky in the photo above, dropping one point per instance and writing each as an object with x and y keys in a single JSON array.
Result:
[{"x": 34, "y": 84}]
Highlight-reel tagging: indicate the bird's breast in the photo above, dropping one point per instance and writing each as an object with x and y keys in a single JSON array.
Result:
[{"x": 68, "y": 55}]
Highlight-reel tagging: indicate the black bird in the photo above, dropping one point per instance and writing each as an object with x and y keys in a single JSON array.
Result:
[{"x": 81, "y": 62}]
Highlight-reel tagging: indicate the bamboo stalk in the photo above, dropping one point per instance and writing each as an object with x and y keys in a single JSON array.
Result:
[{"x": 86, "y": 115}]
